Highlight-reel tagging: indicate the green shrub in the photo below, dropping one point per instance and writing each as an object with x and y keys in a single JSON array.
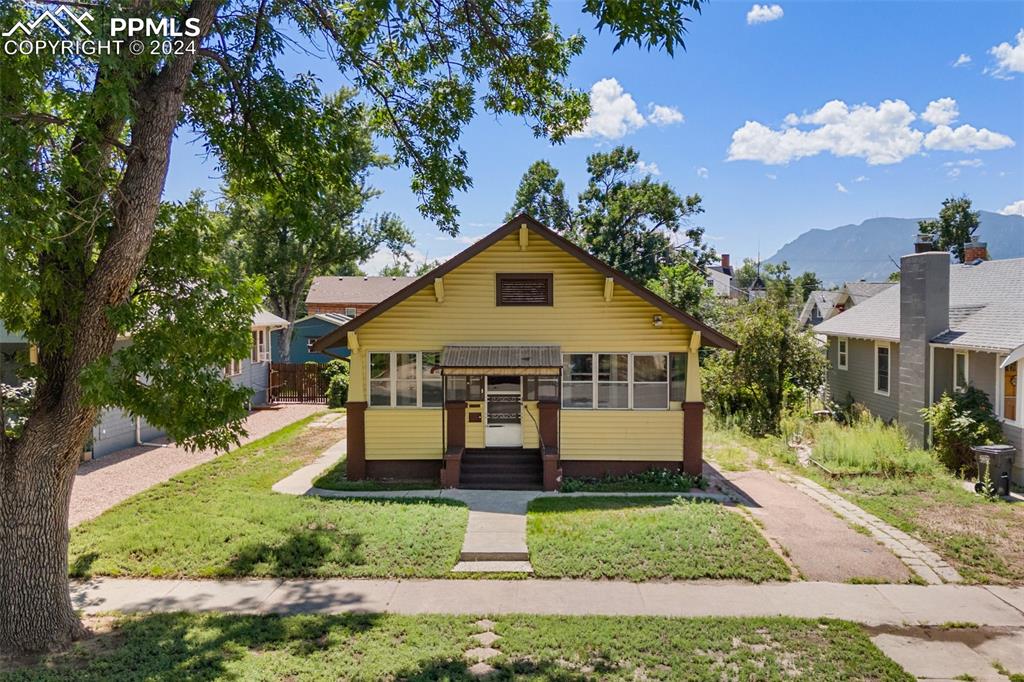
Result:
[
  {"x": 657, "y": 480},
  {"x": 868, "y": 446},
  {"x": 960, "y": 421},
  {"x": 336, "y": 372}
]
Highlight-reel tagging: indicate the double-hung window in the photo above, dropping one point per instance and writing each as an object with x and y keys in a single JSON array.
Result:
[
  {"x": 650, "y": 381},
  {"x": 260, "y": 349},
  {"x": 233, "y": 368},
  {"x": 882, "y": 366},
  {"x": 960, "y": 371},
  {"x": 621, "y": 381},
  {"x": 405, "y": 379},
  {"x": 842, "y": 353}
]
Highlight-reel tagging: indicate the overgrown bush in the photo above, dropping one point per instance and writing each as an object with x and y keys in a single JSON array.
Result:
[
  {"x": 869, "y": 446},
  {"x": 336, "y": 373},
  {"x": 960, "y": 421}
]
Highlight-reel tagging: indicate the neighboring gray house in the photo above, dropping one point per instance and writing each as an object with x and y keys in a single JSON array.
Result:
[
  {"x": 720, "y": 277},
  {"x": 943, "y": 327}
]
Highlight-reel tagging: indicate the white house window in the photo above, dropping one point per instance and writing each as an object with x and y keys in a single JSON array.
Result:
[
  {"x": 310, "y": 340},
  {"x": 405, "y": 379},
  {"x": 619, "y": 381},
  {"x": 842, "y": 353},
  {"x": 650, "y": 381},
  {"x": 960, "y": 369},
  {"x": 1008, "y": 393},
  {"x": 233, "y": 368},
  {"x": 260, "y": 348},
  {"x": 351, "y": 312},
  {"x": 882, "y": 366},
  {"x": 613, "y": 381}
]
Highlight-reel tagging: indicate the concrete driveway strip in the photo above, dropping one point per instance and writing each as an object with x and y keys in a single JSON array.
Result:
[{"x": 867, "y": 604}]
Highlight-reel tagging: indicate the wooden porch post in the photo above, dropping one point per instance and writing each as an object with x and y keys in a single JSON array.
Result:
[
  {"x": 355, "y": 467},
  {"x": 456, "y": 437}
]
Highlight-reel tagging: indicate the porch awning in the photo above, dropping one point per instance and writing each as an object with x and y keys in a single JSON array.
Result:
[{"x": 501, "y": 360}]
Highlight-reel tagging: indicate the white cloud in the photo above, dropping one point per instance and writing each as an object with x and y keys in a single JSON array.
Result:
[
  {"x": 861, "y": 178},
  {"x": 762, "y": 14},
  {"x": 972, "y": 163},
  {"x": 965, "y": 138},
  {"x": 1009, "y": 58},
  {"x": 649, "y": 168},
  {"x": 614, "y": 114},
  {"x": 702, "y": 172},
  {"x": 1016, "y": 208},
  {"x": 962, "y": 60},
  {"x": 841, "y": 188},
  {"x": 941, "y": 111},
  {"x": 953, "y": 173},
  {"x": 771, "y": 176},
  {"x": 878, "y": 134},
  {"x": 661, "y": 115}
]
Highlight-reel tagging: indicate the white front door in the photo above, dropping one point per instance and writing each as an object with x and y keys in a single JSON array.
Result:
[{"x": 504, "y": 427}]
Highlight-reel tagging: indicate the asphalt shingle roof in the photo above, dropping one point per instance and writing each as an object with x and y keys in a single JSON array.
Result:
[
  {"x": 986, "y": 309},
  {"x": 355, "y": 289},
  {"x": 862, "y": 291}
]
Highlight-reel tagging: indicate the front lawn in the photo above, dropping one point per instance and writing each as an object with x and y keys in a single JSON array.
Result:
[
  {"x": 180, "y": 646},
  {"x": 646, "y": 538},
  {"x": 221, "y": 519}
]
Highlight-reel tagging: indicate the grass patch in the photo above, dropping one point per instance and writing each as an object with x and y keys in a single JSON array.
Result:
[
  {"x": 430, "y": 647},
  {"x": 221, "y": 519},
  {"x": 646, "y": 539},
  {"x": 334, "y": 479},
  {"x": 652, "y": 480},
  {"x": 869, "y": 447}
]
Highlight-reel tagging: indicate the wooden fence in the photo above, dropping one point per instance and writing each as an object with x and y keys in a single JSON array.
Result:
[{"x": 293, "y": 382}]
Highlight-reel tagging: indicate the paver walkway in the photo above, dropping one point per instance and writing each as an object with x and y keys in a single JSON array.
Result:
[
  {"x": 820, "y": 545},
  {"x": 869, "y": 604},
  {"x": 102, "y": 483},
  {"x": 495, "y": 540}
]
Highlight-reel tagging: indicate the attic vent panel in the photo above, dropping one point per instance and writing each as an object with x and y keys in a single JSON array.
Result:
[{"x": 524, "y": 289}]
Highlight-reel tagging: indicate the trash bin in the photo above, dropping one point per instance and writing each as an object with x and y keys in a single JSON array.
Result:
[{"x": 997, "y": 462}]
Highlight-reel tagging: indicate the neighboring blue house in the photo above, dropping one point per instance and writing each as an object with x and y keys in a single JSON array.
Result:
[{"x": 305, "y": 333}]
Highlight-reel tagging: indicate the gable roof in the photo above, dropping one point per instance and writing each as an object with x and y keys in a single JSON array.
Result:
[
  {"x": 265, "y": 318},
  {"x": 825, "y": 301},
  {"x": 862, "y": 291},
  {"x": 709, "y": 336},
  {"x": 986, "y": 309},
  {"x": 337, "y": 319},
  {"x": 368, "y": 289}
]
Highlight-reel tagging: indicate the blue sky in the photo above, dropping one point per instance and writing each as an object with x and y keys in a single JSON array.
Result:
[{"x": 854, "y": 159}]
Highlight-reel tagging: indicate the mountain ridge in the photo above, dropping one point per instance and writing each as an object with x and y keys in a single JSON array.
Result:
[{"x": 870, "y": 250}]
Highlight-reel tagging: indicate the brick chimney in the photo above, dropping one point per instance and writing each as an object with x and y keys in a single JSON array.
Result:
[
  {"x": 725, "y": 260},
  {"x": 975, "y": 251},
  {"x": 924, "y": 313},
  {"x": 923, "y": 243}
]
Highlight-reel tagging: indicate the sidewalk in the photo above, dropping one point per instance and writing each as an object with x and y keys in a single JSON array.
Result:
[
  {"x": 874, "y": 605},
  {"x": 102, "y": 483}
]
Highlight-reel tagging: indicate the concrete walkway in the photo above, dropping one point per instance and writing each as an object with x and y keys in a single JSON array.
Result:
[
  {"x": 874, "y": 605},
  {"x": 102, "y": 483}
]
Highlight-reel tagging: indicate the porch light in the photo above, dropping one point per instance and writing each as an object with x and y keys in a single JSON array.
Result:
[{"x": 657, "y": 321}]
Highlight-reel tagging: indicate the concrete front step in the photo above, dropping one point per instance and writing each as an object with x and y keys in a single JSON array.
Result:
[
  {"x": 493, "y": 567},
  {"x": 495, "y": 555}
]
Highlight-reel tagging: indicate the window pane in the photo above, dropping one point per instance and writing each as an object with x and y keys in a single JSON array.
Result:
[
  {"x": 380, "y": 392},
  {"x": 650, "y": 396},
  {"x": 883, "y": 369},
  {"x": 405, "y": 392},
  {"x": 503, "y": 384},
  {"x": 613, "y": 367},
  {"x": 405, "y": 366},
  {"x": 650, "y": 368},
  {"x": 961, "y": 370},
  {"x": 380, "y": 365},
  {"x": 456, "y": 389},
  {"x": 677, "y": 365},
  {"x": 1010, "y": 388},
  {"x": 578, "y": 367},
  {"x": 432, "y": 393},
  {"x": 613, "y": 396},
  {"x": 579, "y": 394},
  {"x": 475, "y": 388},
  {"x": 547, "y": 389}
]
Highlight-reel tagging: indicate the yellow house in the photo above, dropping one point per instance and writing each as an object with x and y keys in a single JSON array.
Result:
[{"x": 519, "y": 361}]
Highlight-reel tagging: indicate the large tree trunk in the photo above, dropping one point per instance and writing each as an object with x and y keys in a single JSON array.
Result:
[{"x": 36, "y": 475}]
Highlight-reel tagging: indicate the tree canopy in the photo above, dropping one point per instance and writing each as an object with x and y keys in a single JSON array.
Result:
[{"x": 954, "y": 227}]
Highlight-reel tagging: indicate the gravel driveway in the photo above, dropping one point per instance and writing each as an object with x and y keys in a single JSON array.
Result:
[{"x": 102, "y": 483}]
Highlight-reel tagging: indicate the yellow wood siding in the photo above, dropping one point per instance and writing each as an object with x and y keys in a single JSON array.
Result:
[
  {"x": 475, "y": 430},
  {"x": 531, "y": 439},
  {"x": 581, "y": 320},
  {"x": 403, "y": 433},
  {"x": 622, "y": 435}
]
